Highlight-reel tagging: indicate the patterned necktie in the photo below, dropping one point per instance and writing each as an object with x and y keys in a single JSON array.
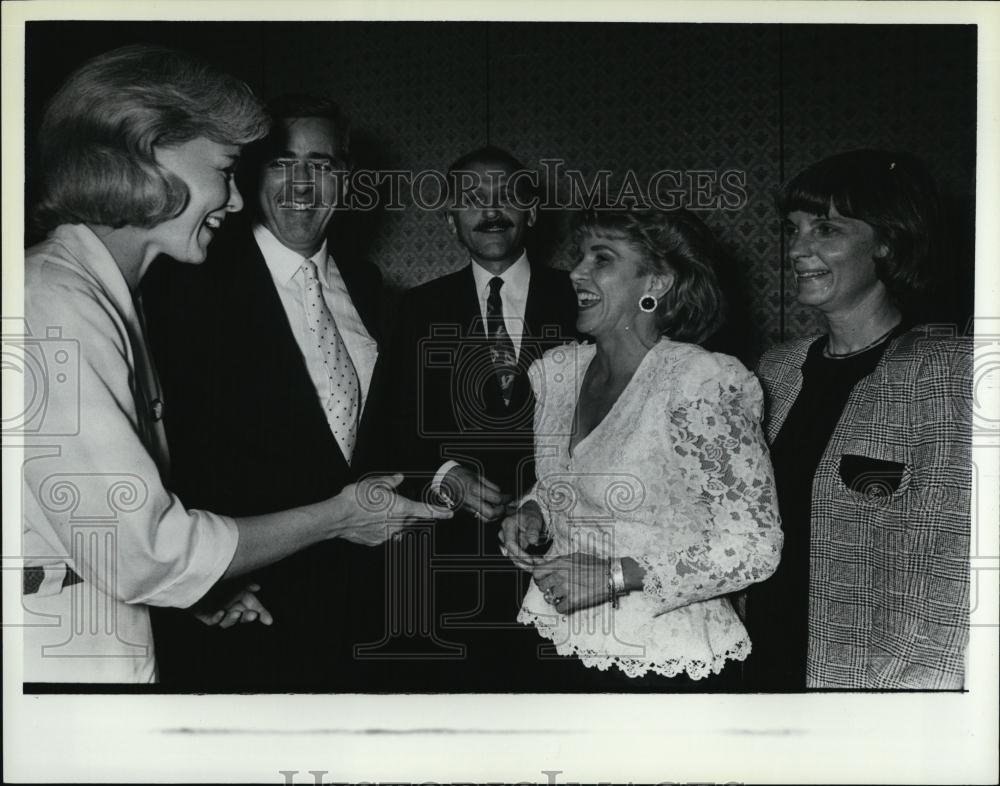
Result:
[
  {"x": 344, "y": 405},
  {"x": 501, "y": 347}
]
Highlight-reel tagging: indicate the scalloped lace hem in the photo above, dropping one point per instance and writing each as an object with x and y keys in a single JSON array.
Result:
[{"x": 695, "y": 668}]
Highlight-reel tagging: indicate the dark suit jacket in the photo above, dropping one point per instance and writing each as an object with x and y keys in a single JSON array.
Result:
[
  {"x": 456, "y": 598},
  {"x": 438, "y": 395},
  {"x": 248, "y": 436}
]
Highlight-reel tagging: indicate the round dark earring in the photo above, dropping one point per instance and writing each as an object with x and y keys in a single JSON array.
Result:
[{"x": 647, "y": 304}]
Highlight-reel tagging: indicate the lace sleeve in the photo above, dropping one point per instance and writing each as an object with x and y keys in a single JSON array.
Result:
[{"x": 729, "y": 536}]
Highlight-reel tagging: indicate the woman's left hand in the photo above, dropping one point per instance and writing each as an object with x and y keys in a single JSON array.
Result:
[
  {"x": 242, "y": 607},
  {"x": 577, "y": 581}
]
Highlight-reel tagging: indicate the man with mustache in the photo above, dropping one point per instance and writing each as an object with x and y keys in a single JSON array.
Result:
[
  {"x": 266, "y": 355},
  {"x": 455, "y": 412}
]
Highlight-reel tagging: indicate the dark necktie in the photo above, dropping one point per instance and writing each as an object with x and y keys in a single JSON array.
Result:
[{"x": 501, "y": 347}]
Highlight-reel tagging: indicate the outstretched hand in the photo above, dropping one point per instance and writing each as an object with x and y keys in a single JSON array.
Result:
[
  {"x": 380, "y": 512},
  {"x": 469, "y": 491}
]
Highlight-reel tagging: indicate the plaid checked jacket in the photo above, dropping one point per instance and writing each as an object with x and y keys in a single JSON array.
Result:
[{"x": 889, "y": 567}]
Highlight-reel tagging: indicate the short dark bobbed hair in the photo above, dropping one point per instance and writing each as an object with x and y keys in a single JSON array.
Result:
[
  {"x": 100, "y": 131},
  {"x": 672, "y": 242},
  {"x": 891, "y": 192}
]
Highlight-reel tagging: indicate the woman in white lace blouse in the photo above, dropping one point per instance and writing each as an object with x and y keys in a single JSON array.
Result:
[{"x": 655, "y": 495}]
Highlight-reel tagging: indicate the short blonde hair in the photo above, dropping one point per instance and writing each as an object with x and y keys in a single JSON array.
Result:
[
  {"x": 675, "y": 242},
  {"x": 100, "y": 132}
]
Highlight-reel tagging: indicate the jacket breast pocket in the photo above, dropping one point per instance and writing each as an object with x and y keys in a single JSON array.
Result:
[{"x": 874, "y": 480}]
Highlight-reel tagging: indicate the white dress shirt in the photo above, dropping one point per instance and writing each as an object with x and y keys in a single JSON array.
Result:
[
  {"x": 285, "y": 267},
  {"x": 513, "y": 295}
]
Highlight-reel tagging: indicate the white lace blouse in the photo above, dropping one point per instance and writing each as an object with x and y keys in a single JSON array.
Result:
[{"x": 677, "y": 477}]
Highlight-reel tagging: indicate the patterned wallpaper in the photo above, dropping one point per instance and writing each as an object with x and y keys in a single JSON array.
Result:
[
  {"x": 764, "y": 100},
  {"x": 898, "y": 88}
]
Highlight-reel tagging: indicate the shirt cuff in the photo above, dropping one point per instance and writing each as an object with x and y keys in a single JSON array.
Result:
[{"x": 447, "y": 467}]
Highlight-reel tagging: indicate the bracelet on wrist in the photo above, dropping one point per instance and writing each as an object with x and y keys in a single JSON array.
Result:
[
  {"x": 618, "y": 575},
  {"x": 616, "y": 582}
]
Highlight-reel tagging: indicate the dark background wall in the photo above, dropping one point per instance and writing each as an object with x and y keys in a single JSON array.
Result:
[{"x": 765, "y": 100}]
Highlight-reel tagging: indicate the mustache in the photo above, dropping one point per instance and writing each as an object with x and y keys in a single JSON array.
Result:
[{"x": 488, "y": 225}]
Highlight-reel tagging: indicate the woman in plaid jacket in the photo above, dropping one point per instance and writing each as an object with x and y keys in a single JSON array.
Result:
[{"x": 870, "y": 432}]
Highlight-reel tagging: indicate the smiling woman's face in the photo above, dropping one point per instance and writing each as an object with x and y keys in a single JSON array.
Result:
[
  {"x": 206, "y": 168},
  {"x": 833, "y": 259},
  {"x": 609, "y": 282}
]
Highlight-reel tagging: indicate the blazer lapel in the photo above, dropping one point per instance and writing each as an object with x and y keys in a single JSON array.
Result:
[
  {"x": 276, "y": 370},
  {"x": 468, "y": 313},
  {"x": 152, "y": 396},
  {"x": 362, "y": 296},
  {"x": 785, "y": 389}
]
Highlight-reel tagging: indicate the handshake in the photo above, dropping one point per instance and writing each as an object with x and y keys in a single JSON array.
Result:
[{"x": 522, "y": 534}]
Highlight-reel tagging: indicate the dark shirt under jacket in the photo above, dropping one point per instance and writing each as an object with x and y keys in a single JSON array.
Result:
[
  {"x": 451, "y": 613},
  {"x": 778, "y": 608},
  {"x": 248, "y": 436}
]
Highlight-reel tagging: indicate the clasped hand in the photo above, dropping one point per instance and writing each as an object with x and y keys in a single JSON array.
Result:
[
  {"x": 573, "y": 582},
  {"x": 218, "y": 607},
  {"x": 569, "y": 583},
  {"x": 523, "y": 529}
]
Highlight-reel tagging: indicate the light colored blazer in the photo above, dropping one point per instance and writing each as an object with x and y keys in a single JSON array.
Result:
[
  {"x": 889, "y": 568},
  {"x": 95, "y": 506}
]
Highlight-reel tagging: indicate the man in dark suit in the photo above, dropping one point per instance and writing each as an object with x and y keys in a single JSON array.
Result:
[
  {"x": 455, "y": 413},
  {"x": 266, "y": 354}
]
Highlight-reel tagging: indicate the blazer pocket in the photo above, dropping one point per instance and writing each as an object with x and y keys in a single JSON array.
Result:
[{"x": 874, "y": 479}]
